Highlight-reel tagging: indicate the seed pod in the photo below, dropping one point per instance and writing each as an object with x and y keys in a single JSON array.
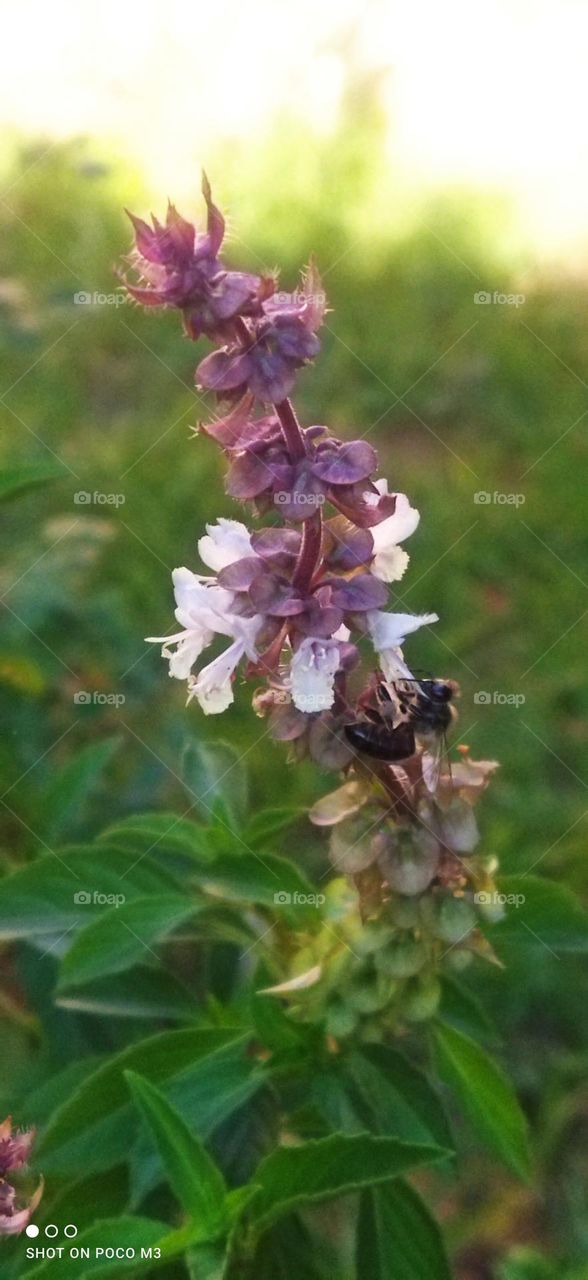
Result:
[
  {"x": 368, "y": 992},
  {"x": 402, "y": 959},
  {"x": 351, "y": 847},
  {"x": 410, "y": 862},
  {"x": 373, "y": 937},
  {"x": 455, "y": 918},
  {"x": 421, "y": 998}
]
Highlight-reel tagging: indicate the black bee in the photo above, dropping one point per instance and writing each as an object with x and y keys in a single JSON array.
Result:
[{"x": 404, "y": 709}]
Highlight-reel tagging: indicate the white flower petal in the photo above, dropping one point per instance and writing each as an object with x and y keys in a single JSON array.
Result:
[
  {"x": 189, "y": 645},
  {"x": 389, "y": 630},
  {"x": 312, "y": 674},
  {"x": 187, "y": 651},
  {"x": 212, "y": 686},
  {"x": 223, "y": 543},
  {"x": 397, "y": 527},
  {"x": 194, "y": 594},
  {"x": 390, "y": 565}
]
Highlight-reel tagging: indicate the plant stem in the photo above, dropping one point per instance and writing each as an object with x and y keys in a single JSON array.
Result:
[
  {"x": 291, "y": 429},
  {"x": 310, "y": 550}
]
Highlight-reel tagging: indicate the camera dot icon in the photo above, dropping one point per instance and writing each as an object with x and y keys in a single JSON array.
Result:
[
  {"x": 482, "y": 298},
  {"x": 482, "y": 698},
  {"x": 282, "y": 899},
  {"x": 82, "y": 898},
  {"x": 82, "y": 698}
]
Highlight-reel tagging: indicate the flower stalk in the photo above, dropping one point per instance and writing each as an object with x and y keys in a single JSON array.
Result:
[{"x": 293, "y": 598}]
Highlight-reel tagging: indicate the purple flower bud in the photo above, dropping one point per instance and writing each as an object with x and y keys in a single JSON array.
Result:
[
  {"x": 179, "y": 267},
  {"x": 359, "y": 594},
  {"x": 363, "y": 504},
  {"x": 346, "y": 547},
  {"x": 345, "y": 464},
  {"x": 278, "y": 341}
]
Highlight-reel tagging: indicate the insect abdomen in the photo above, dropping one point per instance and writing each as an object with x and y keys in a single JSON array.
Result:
[{"x": 380, "y": 742}]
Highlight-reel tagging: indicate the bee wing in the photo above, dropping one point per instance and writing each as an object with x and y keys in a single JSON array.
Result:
[{"x": 432, "y": 761}]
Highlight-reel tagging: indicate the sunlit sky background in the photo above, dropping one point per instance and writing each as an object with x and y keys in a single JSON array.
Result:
[{"x": 491, "y": 95}]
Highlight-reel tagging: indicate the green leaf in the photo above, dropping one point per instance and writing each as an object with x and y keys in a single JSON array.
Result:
[
  {"x": 486, "y": 1096},
  {"x": 87, "y": 1200},
  {"x": 41, "y": 898},
  {"x": 402, "y": 1103},
  {"x": 206, "y": 1095},
  {"x": 161, "y": 834},
  {"x": 71, "y": 786},
  {"x": 16, "y": 480},
  {"x": 269, "y": 823},
  {"x": 207, "y": 1262},
  {"x": 236, "y": 874},
  {"x": 549, "y": 915},
  {"x": 397, "y": 1239},
  {"x": 124, "y": 1233},
  {"x": 291, "y": 1252},
  {"x": 139, "y": 993},
  {"x": 122, "y": 937},
  {"x": 460, "y": 1007},
  {"x": 95, "y": 1128},
  {"x": 215, "y": 776},
  {"x": 329, "y": 1167},
  {"x": 265, "y": 880},
  {"x": 53, "y": 1091},
  {"x": 528, "y": 1264},
  {"x": 193, "y": 1176}
]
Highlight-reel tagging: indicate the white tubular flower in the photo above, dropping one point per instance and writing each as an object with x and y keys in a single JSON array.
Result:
[
  {"x": 312, "y": 674},
  {"x": 390, "y": 561},
  {"x": 388, "y": 632},
  {"x": 223, "y": 543},
  {"x": 213, "y": 685},
  {"x": 204, "y": 610}
]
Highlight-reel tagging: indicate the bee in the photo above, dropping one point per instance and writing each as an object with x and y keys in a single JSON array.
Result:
[{"x": 400, "y": 711}]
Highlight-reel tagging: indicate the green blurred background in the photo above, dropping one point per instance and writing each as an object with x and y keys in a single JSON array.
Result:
[{"x": 460, "y": 398}]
